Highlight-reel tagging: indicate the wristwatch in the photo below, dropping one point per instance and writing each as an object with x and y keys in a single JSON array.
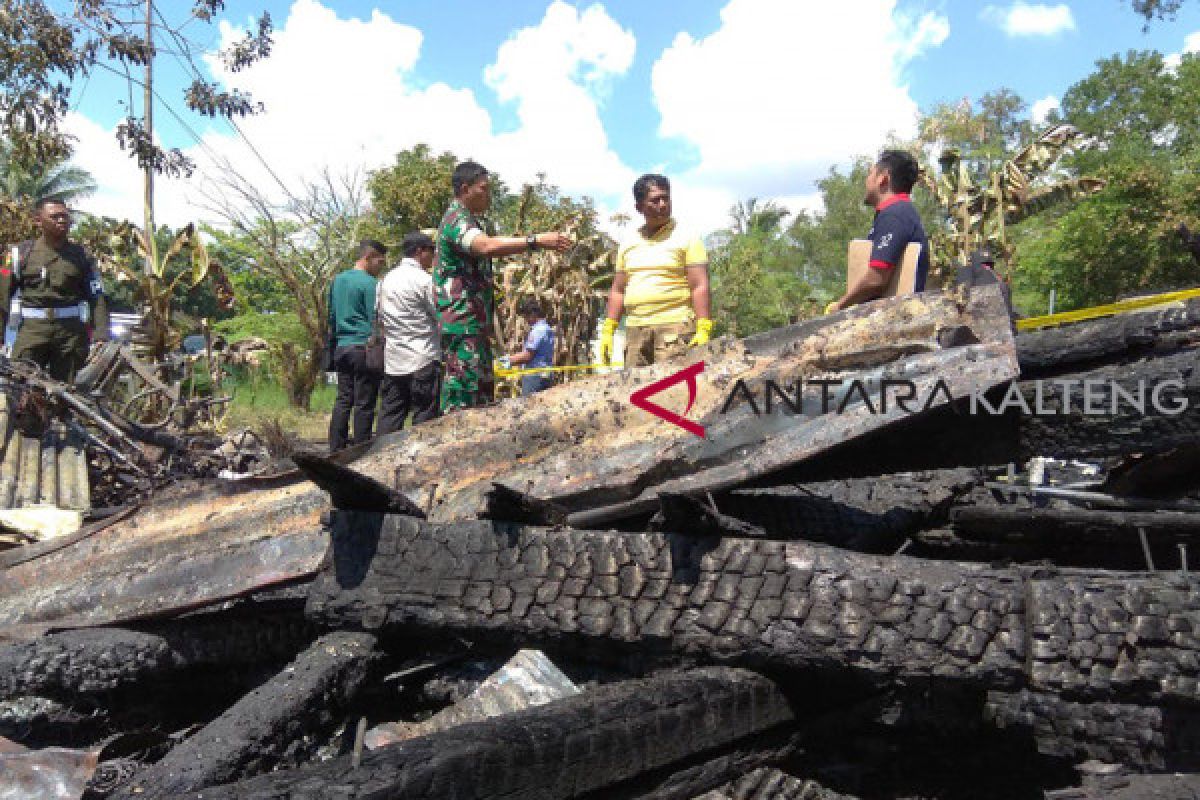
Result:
[{"x": 531, "y": 242}]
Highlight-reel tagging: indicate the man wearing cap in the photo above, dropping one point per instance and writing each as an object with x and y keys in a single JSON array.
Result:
[
  {"x": 462, "y": 280},
  {"x": 896, "y": 225},
  {"x": 660, "y": 285},
  {"x": 981, "y": 271},
  {"x": 406, "y": 310},
  {"x": 59, "y": 292}
]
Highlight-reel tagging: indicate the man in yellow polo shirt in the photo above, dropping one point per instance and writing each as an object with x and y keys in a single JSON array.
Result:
[{"x": 661, "y": 284}]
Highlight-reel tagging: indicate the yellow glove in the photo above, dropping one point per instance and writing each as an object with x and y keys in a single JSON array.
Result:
[
  {"x": 606, "y": 340},
  {"x": 703, "y": 333},
  {"x": 832, "y": 307}
]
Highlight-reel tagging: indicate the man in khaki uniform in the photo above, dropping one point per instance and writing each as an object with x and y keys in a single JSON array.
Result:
[
  {"x": 660, "y": 285},
  {"x": 61, "y": 296}
]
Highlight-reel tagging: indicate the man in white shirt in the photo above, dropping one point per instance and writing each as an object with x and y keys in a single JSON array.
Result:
[{"x": 408, "y": 318}]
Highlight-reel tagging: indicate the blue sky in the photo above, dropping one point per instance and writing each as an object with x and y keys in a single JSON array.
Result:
[{"x": 732, "y": 98}]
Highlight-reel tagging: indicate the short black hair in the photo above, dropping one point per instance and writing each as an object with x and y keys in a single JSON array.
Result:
[
  {"x": 641, "y": 187},
  {"x": 530, "y": 306},
  {"x": 902, "y": 169},
  {"x": 49, "y": 201},
  {"x": 366, "y": 246},
  {"x": 415, "y": 242},
  {"x": 465, "y": 174}
]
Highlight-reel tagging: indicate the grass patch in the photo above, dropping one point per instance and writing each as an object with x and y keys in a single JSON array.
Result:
[{"x": 258, "y": 397}]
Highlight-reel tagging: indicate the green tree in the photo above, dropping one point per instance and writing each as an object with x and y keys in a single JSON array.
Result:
[
  {"x": 751, "y": 215},
  {"x": 821, "y": 238},
  {"x": 411, "y": 194},
  {"x": 981, "y": 134},
  {"x": 30, "y": 183},
  {"x": 45, "y": 47},
  {"x": 301, "y": 244},
  {"x": 1123, "y": 239}
]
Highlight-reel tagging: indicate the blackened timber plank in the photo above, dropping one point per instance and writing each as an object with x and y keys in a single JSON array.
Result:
[
  {"x": 568, "y": 748},
  {"x": 72, "y": 663},
  {"x": 1057, "y": 425},
  {"x": 251, "y": 737},
  {"x": 1133, "y": 787},
  {"x": 786, "y": 605},
  {"x": 1071, "y": 347},
  {"x": 871, "y": 515},
  {"x": 1145, "y": 738},
  {"x": 768, "y": 783}
]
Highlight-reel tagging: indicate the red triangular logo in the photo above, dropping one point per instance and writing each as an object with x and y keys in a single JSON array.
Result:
[{"x": 640, "y": 398}]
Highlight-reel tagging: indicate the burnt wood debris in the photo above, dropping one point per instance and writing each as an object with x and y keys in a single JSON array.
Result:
[{"x": 985, "y": 591}]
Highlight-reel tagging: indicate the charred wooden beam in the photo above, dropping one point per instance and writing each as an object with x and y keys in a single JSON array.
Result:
[
  {"x": 78, "y": 662},
  {"x": 1144, "y": 738},
  {"x": 698, "y": 517},
  {"x": 1133, "y": 787},
  {"x": 787, "y": 605},
  {"x": 768, "y": 783},
  {"x": 1081, "y": 535},
  {"x": 956, "y": 437},
  {"x": 575, "y": 747},
  {"x": 187, "y": 550},
  {"x": 253, "y": 736},
  {"x": 872, "y": 515},
  {"x": 1120, "y": 337},
  {"x": 699, "y": 775}
]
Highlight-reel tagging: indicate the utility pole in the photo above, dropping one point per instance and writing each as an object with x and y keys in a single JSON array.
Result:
[{"x": 149, "y": 168}]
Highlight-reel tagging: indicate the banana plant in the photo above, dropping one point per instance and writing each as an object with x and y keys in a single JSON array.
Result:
[
  {"x": 978, "y": 213},
  {"x": 154, "y": 287},
  {"x": 568, "y": 286}
]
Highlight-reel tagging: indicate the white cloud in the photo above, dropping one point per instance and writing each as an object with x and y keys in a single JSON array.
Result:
[
  {"x": 782, "y": 91},
  {"x": 1042, "y": 108},
  {"x": 554, "y": 73},
  {"x": 1191, "y": 44},
  {"x": 1031, "y": 19},
  {"x": 358, "y": 104}
]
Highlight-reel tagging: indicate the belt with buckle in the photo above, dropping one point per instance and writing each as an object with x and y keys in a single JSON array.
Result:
[{"x": 51, "y": 312}]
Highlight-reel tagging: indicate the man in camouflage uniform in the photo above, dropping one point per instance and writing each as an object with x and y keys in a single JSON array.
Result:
[
  {"x": 63, "y": 308},
  {"x": 462, "y": 279}
]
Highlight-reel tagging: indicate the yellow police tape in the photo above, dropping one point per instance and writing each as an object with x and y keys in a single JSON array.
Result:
[
  {"x": 1033, "y": 323},
  {"x": 516, "y": 372}
]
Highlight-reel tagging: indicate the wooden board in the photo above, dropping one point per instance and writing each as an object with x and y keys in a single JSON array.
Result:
[{"x": 904, "y": 277}]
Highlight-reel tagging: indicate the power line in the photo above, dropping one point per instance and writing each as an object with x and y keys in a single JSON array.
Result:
[{"x": 195, "y": 71}]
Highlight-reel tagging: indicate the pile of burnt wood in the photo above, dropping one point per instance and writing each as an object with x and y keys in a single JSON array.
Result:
[{"x": 984, "y": 594}]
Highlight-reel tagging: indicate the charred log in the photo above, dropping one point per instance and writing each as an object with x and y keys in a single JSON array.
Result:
[
  {"x": 1133, "y": 787},
  {"x": 684, "y": 512},
  {"x": 105, "y": 659},
  {"x": 955, "y": 437},
  {"x": 871, "y": 515},
  {"x": 686, "y": 782},
  {"x": 772, "y": 784},
  {"x": 1078, "y": 536},
  {"x": 1146, "y": 738},
  {"x": 1120, "y": 337},
  {"x": 565, "y": 749},
  {"x": 788, "y": 605},
  {"x": 265, "y": 726}
]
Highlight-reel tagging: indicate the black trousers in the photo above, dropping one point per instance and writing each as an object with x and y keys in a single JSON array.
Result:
[
  {"x": 417, "y": 392},
  {"x": 357, "y": 391}
]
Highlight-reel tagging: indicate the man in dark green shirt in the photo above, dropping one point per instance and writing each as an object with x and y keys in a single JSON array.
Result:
[
  {"x": 351, "y": 319},
  {"x": 62, "y": 305}
]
